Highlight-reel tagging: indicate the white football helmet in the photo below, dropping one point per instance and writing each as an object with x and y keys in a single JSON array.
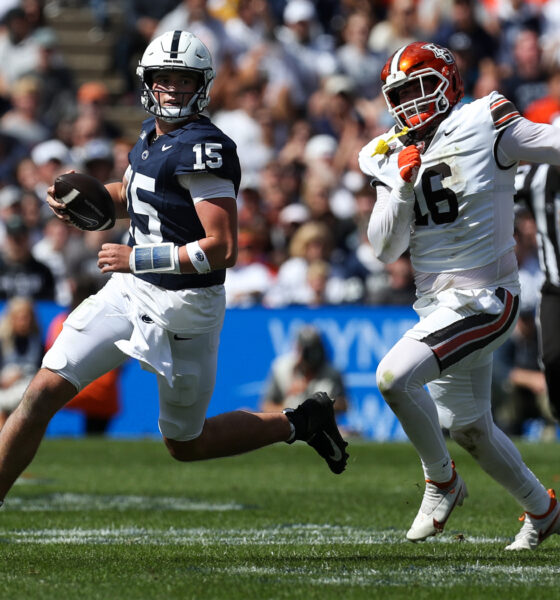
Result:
[{"x": 176, "y": 50}]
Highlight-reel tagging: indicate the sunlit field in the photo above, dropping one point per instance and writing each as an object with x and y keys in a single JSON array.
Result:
[{"x": 111, "y": 519}]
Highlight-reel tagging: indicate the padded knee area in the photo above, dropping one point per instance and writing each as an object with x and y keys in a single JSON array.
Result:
[
  {"x": 475, "y": 437},
  {"x": 469, "y": 437}
]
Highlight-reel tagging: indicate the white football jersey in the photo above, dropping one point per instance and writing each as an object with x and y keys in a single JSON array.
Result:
[{"x": 463, "y": 213}]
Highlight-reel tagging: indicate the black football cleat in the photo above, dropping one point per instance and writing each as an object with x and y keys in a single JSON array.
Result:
[{"x": 314, "y": 423}]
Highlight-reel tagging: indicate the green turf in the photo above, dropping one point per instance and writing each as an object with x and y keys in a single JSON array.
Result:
[{"x": 120, "y": 520}]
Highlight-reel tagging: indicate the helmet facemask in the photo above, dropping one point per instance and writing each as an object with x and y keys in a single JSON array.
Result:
[
  {"x": 151, "y": 98},
  {"x": 428, "y": 103}
]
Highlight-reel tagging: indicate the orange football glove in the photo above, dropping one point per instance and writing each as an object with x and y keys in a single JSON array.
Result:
[{"x": 409, "y": 163}]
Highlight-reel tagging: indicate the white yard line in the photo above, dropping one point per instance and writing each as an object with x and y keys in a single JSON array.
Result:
[
  {"x": 93, "y": 502},
  {"x": 304, "y": 535},
  {"x": 324, "y": 572}
]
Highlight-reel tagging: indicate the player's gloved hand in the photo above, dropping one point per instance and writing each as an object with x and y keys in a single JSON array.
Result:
[{"x": 409, "y": 164}]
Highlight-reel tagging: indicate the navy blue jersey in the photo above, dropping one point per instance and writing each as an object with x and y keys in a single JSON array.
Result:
[{"x": 160, "y": 209}]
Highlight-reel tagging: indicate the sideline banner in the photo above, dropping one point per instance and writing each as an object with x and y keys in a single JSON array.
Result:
[{"x": 357, "y": 337}]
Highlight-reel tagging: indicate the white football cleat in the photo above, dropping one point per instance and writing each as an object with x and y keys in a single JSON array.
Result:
[
  {"x": 439, "y": 501},
  {"x": 536, "y": 528}
]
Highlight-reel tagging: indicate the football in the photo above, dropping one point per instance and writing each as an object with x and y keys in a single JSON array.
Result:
[{"x": 88, "y": 203}]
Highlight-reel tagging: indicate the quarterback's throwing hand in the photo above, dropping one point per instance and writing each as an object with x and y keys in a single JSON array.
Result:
[{"x": 409, "y": 164}]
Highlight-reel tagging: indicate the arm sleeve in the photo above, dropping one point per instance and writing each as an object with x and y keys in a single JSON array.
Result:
[
  {"x": 204, "y": 186},
  {"x": 389, "y": 224},
  {"x": 530, "y": 142}
]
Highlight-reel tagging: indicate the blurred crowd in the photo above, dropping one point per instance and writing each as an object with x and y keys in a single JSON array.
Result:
[{"x": 297, "y": 88}]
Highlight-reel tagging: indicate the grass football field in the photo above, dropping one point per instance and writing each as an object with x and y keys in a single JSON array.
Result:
[{"x": 113, "y": 519}]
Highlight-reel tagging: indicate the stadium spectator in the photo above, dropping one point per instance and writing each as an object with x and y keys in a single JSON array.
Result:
[
  {"x": 24, "y": 120},
  {"x": 312, "y": 241},
  {"x": 356, "y": 59},
  {"x": 547, "y": 108},
  {"x": 58, "y": 91},
  {"x": 10, "y": 206},
  {"x": 33, "y": 214},
  {"x": 300, "y": 373},
  {"x": 308, "y": 52},
  {"x": 251, "y": 212},
  {"x": 242, "y": 125},
  {"x": 399, "y": 289},
  {"x": 400, "y": 27},
  {"x": 511, "y": 18},
  {"x": 97, "y": 159},
  {"x": 121, "y": 148},
  {"x": 250, "y": 27},
  {"x": 293, "y": 150},
  {"x": 550, "y": 38},
  {"x": 373, "y": 272},
  {"x": 53, "y": 250},
  {"x": 194, "y": 16},
  {"x": 83, "y": 260},
  {"x": 528, "y": 81},
  {"x": 12, "y": 152},
  {"x": 20, "y": 273},
  {"x": 51, "y": 158},
  {"x": 21, "y": 351},
  {"x": 19, "y": 50},
  {"x": 143, "y": 17},
  {"x": 93, "y": 98},
  {"x": 250, "y": 278},
  {"x": 464, "y": 30}
]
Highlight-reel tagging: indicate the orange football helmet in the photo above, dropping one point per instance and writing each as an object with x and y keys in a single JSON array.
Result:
[{"x": 421, "y": 83}]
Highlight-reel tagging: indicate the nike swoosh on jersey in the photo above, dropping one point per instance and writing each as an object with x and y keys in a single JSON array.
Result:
[
  {"x": 337, "y": 454},
  {"x": 176, "y": 337},
  {"x": 164, "y": 147}
]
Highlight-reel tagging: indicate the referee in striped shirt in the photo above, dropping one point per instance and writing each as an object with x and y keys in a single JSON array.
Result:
[{"x": 538, "y": 187}]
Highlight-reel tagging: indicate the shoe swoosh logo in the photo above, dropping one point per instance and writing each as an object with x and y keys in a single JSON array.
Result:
[
  {"x": 544, "y": 534},
  {"x": 439, "y": 525},
  {"x": 337, "y": 454},
  {"x": 178, "y": 337},
  {"x": 164, "y": 147}
]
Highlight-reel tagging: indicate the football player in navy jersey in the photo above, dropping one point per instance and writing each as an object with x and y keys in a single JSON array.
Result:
[
  {"x": 165, "y": 303},
  {"x": 444, "y": 177}
]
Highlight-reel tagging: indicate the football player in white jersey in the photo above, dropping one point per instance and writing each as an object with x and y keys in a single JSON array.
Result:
[
  {"x": 165, "y": 302},
  {"x": 444, "y": 176}
]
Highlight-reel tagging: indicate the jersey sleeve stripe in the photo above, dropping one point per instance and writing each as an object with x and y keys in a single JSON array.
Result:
[{"x": 503, "y": 113}]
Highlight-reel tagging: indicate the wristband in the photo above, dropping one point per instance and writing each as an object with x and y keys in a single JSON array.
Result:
[
  {"x": 199, "y": 260},
  {"x": 155, "y": 258}
]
